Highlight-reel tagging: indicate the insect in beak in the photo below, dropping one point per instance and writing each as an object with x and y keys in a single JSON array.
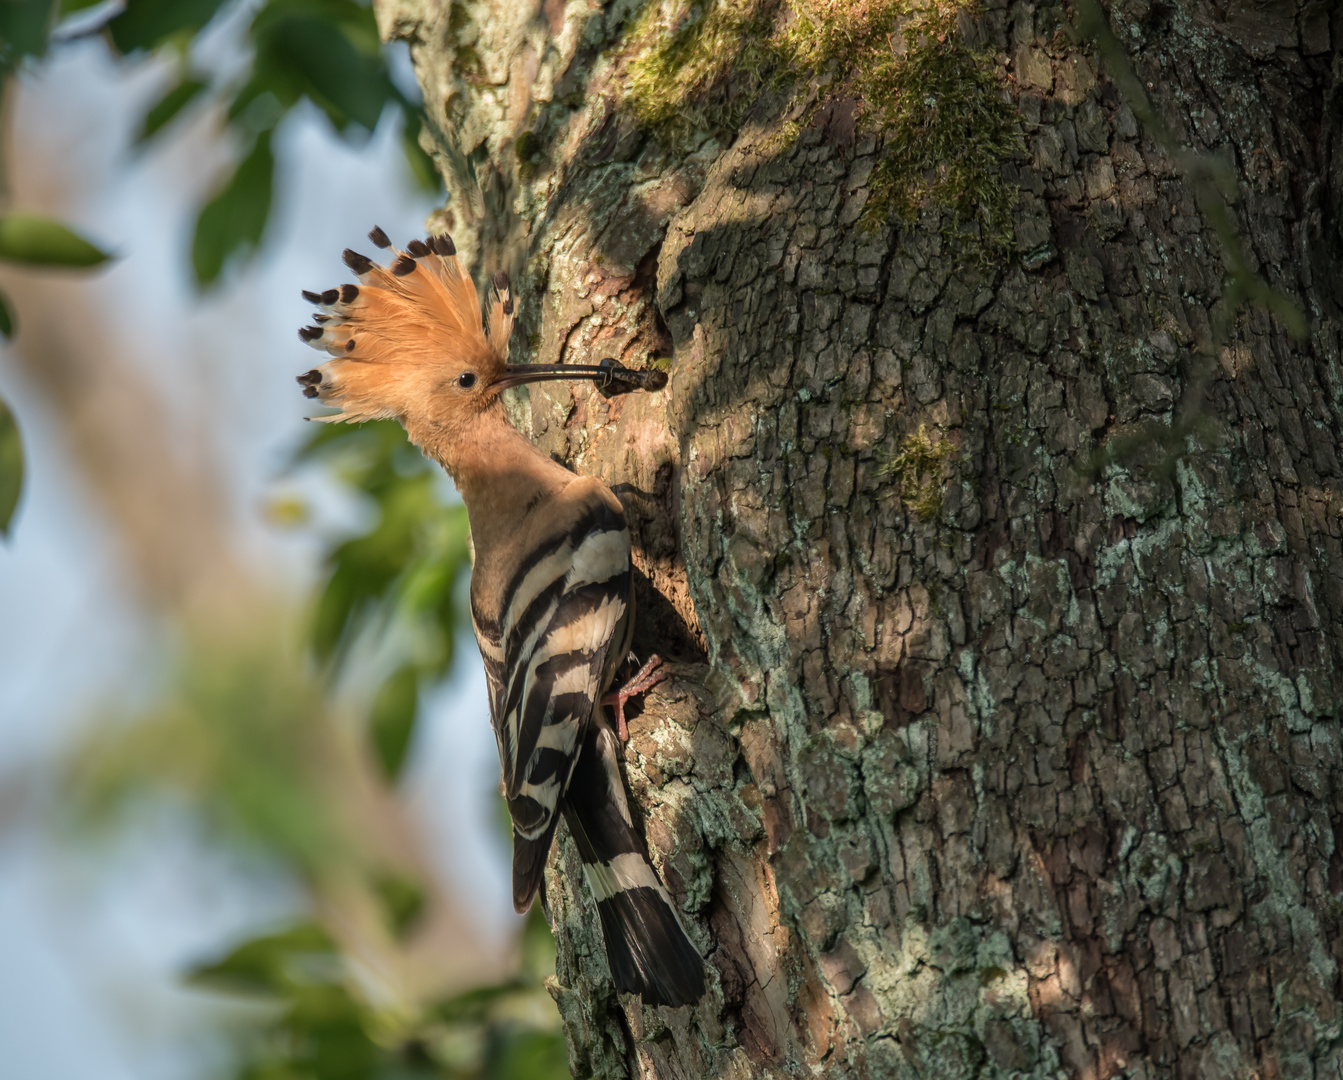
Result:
[{"x": 610, "y": 377}]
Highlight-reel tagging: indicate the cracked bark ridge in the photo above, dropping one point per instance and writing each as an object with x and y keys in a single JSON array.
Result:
[{"x": 1051, "y": 783}]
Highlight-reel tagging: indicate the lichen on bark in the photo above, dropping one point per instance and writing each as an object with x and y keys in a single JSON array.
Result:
[{"x": 1050, "y": 781}]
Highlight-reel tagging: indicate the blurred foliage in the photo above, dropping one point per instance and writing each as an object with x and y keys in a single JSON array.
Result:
[
  {"x": 260, "y": 733},
  {"x": 326, "y": 1024},
  {"x": 31, "y": 240},
  {"x": 25, "y": 26},
  {"x": 11, "y": 467},
  {"x": 25, "y": 31},
  {"x": 250, "y": 734},
  {"x": 254, "y": 736},
  {"x": 40, "y": 241},
  {"x": 323, "y": 51},
  {"x": 404, "y": 571},
  {"x": 241, "y": 733},
  {"x": 234, "y": 219}
]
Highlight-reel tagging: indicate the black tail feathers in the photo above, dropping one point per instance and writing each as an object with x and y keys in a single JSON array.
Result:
[{"x": 646, "y": 945}]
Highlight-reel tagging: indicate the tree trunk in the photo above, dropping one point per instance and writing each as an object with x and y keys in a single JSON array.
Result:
[{"x": 979, "y": 761}]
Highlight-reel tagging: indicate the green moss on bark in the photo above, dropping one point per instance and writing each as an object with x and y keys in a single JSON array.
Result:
[
  {"x": 917, "y": 470},
  {"x": 949, "y": 130},
  {"x": 686, "y": 62},
  {"x": 941, "y": 107}
]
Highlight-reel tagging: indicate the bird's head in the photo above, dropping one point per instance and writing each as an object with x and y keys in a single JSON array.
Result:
[{"x": 408, "y": 343}]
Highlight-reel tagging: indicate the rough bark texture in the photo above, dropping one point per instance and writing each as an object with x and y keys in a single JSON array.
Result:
[{"x": 1050, "y": 783}]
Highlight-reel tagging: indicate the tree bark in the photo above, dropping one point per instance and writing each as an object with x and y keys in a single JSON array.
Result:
[{"x": 977, "y": 761}]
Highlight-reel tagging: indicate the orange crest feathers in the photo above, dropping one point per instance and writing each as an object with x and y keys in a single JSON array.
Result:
[{"x": 404, "y": 331}]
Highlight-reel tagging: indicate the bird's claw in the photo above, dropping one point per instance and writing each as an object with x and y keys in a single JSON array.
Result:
[{"x": 644, "y": 679}]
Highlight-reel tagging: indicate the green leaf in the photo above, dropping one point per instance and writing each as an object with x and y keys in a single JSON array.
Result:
[
  {"x": 262, "y": 101},
  {"x": 6, "y": 317},
  {"x": 518, "y": 1054},
  {"x": 474, "y": 1004},
  {"x": 11, "y": 467},
  {"x": 233, "y": 221},
  {"x": 70, "y": 7},
  {"x": 346, "y": 82},
  {"x": 40, "y": 241},
  {"x": 338, "y": 603},
  {"x": 270, "y": 964},
  {"x": 364, "y": 568},
  {"x": 392, "y": 720},
  {"x": 375, "y": 438},
  {"x": 147, "y": 23},
  {"x": 537, "y": 944},
  {"x": 167, "y": 107},
  {"x": 403, "y": 900},
  {"x": 24, "y": 28}
]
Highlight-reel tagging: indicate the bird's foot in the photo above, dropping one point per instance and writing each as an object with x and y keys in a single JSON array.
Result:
[{"x": 644, "y": 679}]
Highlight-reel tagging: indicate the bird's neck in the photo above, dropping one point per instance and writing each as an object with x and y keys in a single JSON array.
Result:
[{"x": 499, "y": 473}]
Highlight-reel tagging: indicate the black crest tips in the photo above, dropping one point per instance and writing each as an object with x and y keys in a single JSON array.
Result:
[
  {"x": 508, "y": 306},
  {"x": 312, "y": 297},
  {"x": 321, "y": 320},
  {"x": 330, "y": 296},
  {"x": 348, "y": 293},
  {"x": 309, "y": 378},
  {"x": 360, "y": 264},
  {"x": 403, "y": 266},
  {"x": 379, "y": 237},
  {"x": 349, "y": 345},
  {"x": 310, "y": 391},
  {"x": 418, "y": 248},
  {"x": 309, "y": 333},
  {"x": 443, "y": 245},
  {"x": 500, "y": 280}
]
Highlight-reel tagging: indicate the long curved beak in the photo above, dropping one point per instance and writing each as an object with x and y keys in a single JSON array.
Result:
[{"x": 609, "y": 376}]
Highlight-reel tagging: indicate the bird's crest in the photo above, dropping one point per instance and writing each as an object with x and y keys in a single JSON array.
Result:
[{"x": 404, "y": 330}]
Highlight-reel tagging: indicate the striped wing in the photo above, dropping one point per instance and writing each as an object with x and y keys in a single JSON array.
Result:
[{"x": 544, "y": 661}]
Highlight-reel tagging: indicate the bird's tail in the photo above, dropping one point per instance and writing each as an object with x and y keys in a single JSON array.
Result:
[{"x": 646, "y": 945}]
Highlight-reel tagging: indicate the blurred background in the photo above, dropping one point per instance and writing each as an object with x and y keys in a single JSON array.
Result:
[{"x": 249, "y": 824}]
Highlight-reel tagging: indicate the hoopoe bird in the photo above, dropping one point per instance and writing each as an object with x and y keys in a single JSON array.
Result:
[{"x": 552, "y": 601}]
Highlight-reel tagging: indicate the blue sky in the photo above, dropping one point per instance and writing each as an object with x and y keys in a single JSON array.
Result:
[{"x": 93, "y": 941}]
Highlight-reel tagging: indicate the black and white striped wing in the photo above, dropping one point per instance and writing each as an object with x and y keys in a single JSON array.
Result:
[{"x": 545, "y": 665}]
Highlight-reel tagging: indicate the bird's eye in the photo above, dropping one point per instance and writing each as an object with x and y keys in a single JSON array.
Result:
[{"x": 466, "y": 380}]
